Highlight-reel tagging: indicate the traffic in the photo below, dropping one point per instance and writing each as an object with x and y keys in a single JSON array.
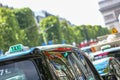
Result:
[
  {"x": 38, "y": 43},
  {"x": 60, "y": 62},
  {"x": 52, "y": 62},
  {"x": 105, "y": 58}
]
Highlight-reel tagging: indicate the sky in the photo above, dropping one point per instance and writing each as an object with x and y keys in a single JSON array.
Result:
[{"x": 78, "y": 12}]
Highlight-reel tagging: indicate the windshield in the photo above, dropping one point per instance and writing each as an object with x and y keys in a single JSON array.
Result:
[
  {"x": 97, "y": 57},
  {"x": 24, "y": 70}
]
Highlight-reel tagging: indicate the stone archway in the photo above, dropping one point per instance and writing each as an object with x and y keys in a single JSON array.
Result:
[{"x": 110, "y": 10}]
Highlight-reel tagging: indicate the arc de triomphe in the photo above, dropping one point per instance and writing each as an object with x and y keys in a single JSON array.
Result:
[{"x": 110, "y": 10}]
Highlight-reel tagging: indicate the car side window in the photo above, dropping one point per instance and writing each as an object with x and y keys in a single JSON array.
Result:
[
  {"x": 77, "y": 70},
  {"x": 83, "y": 67},
  {"x": 115, "y": 67},
  {"x": 44, "y": 69},
  {"x": 115, "y": 63},
  {"x": 23, "y": 70},
  {"x": 60, "y": 66}
]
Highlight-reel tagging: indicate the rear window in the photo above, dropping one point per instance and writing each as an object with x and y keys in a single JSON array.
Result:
[
  {"x": 97, "y": 57},
  {"x": 24, "y": 70},
  {"x": 115, "y": 54}
]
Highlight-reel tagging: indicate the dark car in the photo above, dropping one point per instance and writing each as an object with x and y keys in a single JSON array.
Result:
[
  {"x": 57, "y": 62},
  {"x": 69, "y": 61}
]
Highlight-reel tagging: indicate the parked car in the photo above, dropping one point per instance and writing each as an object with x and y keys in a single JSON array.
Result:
[
  {"x": 55, "y": 62},
  {"x": 110, "y": 52},
  {"x": 108, "y": 68},
  {"x": 86, "y": 49},
  {"x": 113, "y": 52}
]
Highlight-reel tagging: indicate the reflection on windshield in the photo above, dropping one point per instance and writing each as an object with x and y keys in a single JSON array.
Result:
[
  {"x": 80, "y": 67},
  {"x": 23, "y": 70},
  {"x": 60, "y": 66},
  {"x": 67, "y": 66}
]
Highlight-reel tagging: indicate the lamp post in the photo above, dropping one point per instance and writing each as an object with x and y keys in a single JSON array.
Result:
[{"x": 44, "y": 33}]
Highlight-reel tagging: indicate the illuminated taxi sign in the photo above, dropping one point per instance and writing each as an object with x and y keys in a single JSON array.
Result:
[{"x": 16, "y": 48}]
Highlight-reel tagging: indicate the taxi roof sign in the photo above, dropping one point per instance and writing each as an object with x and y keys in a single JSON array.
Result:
[{"x": 16, "y": 48}]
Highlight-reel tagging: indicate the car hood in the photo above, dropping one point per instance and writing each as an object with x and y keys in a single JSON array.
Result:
[{"x": 101, "y": 65}]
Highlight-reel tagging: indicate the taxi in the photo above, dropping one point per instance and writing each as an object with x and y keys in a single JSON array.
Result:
[
  {"x": 107, "y": 66},
  {"x": 55, "y": 62},
  {"x": 113, "y": 52},
  {"x": 21, "y": 63}
]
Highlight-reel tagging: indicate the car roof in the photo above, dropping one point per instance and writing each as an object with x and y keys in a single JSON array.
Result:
[
  {"x": 112, "y": 49},
  {"x": 58, "y": 47},
  {"x": 84, "y": 48},
  {"x": 16, "y": 54},
  {"x": 98, "y": 53},
  {"x": 55, "y": 47},
  {"x": 106, "y": 51}
]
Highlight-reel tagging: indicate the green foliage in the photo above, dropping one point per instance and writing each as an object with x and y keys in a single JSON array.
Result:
[
  {"x": 10, "y": 32},
  {"x": 64, "y": 31},
  {"x": 51, "y": 27},
  {"x": 19, "y": 26},
  {"x": 25, "y": 17},
  {"x": 78, "y": 32},
  {"x": 26, "y": 21}
]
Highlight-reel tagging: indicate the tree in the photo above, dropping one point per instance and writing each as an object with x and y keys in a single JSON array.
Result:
[
  {"x": 50, "y": 26},
  {"x": 66, "y": 31},
  {"x": 10, "y": 32},
  {"x": 26, "y": 21},
  {"x": 78, "y": 36}
]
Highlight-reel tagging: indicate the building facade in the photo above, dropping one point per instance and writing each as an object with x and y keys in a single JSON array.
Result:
[
  {"x": 5, "y": 6},
  {"x": 43, "y": 14},
  {"x": 110, "y": 10}
]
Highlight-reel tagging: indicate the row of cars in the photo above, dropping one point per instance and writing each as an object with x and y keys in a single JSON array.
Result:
[
  {"x": 52, "y": 62},
  {"x": 106, "y": 61}
]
